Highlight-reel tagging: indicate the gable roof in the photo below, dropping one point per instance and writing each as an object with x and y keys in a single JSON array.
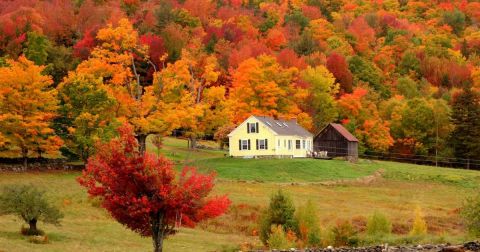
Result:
[
  {"x": 284, "y": 127},
  {"x": 340, "y": 129}
]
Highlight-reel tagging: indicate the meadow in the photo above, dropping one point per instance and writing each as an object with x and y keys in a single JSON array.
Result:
[{"x": 335, "y": 186}]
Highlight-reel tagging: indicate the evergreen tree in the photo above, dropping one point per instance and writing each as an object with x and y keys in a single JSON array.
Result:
[{"x": 465, "y": 138}]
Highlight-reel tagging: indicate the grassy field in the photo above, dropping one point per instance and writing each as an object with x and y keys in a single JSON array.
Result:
[{"x": 249, "y": 184}]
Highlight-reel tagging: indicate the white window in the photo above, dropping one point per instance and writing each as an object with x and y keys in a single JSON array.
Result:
[
  {"x": 289, "y": 144},
  {"x": 262, "y": 144},
  {"x": 279, "y": 144},
  {"x": 308, "y": 145},
  {"x": 252, "y": 127},
  {"x": 304, "y": 144},
  {"x": 244, "y": 145}
]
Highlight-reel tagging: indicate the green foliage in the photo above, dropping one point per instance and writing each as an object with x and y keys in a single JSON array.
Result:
[
  {"x": 278, "y": 238},
  {"x": 306, "y": 44},
  {"x": 270, "y": 22},
  {"x": 407, "y": 87},
  {"x": 36, "y": 48},
  {"x": 366, "y": 71},
  {"x": 378, "y": 225},
  {"x": 471, "y": 215},
  {"x": 308, "y": 224},
  {"x": 465, "y": 138},
  {"x": 322, "y": 95},
  {"x": 343, "y": 234},
  {"x": 29, "y": 204},
  {"x": 60, "y": 61},
  {"x": 87, "y": 115},
  {"x": 280, "y": 212},
  {"x": 296, "y": 16},
  {"x": 409, "y": 64},
  {"x": 455, "y": 19}
]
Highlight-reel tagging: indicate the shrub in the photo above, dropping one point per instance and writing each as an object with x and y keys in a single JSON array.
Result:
[
  {"x": 343, "y": 234},
  {"x": 278, "y": 239},
  {"x": 471, "y": 215},
  {"x": 29, "y": 204},
  {"x": 308, "y": 224},
  {"x": 280, "y": 212},
  {"x": 378, "y": 225},
  {"x": 419, "y": 227}
]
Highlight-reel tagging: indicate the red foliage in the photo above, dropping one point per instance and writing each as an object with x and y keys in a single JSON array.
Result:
[
  {"x": 156, "y": 47},
  {"x": 84, "y": 47},
  {"x": 338, "y": 66},
  {"x": 134, "y": 187},
  {"x": 363, "y": 33},
  {"x": 288, "y": 58}
]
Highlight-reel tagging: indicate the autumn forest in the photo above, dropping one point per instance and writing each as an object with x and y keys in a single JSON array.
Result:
[{"x": 403, "y": 76}]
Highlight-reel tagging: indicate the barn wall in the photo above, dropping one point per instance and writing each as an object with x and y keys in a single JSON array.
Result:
[{"x": 333, "y": 142}]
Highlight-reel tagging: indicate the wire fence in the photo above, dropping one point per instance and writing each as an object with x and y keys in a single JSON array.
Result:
[{"x": 440, "y": 161}]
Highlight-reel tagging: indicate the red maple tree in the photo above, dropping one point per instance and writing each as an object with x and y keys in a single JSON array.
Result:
[{"x": 141, "y": 191}]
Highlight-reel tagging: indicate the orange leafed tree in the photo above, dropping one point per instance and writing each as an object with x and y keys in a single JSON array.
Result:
[
  {"x": 261, "y": 86},
  {"x": 116, "y": 61},
  {"x": 27, "y": 107},
  {"x": 188, "y": 88}
]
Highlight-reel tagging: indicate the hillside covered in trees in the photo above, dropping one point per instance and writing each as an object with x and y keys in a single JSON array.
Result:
[{"x": 403, "y": 76}]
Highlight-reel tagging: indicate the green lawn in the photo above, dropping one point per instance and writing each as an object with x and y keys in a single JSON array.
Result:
[{"x": 249, "y": 184}]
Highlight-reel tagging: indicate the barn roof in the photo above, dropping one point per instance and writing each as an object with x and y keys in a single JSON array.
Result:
[
  {"x": 344, "y": 132},
  {"x": 284, "y": 127}
]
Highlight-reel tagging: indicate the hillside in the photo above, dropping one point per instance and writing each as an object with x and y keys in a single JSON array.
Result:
[
  {"x": 402, "y": 76},
  {"x": 249, "y": 183}
]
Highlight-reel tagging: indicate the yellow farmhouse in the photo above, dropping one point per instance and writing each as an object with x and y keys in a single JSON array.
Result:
[{"x": 261, "y": 136}]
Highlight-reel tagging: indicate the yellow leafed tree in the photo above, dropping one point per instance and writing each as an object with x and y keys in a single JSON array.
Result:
[{"x": 27, "y": 107}]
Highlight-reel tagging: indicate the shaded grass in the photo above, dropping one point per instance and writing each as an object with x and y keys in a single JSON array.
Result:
[{"x": 284, "y": 170}]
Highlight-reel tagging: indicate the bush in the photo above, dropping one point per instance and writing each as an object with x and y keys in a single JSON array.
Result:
[
  {"x": 471, "y": 215},
  {"x": 419, "y": 227},
  {"x": 378, "y": 225},
  {"x": 278, "y": 239},
  {"x": 308, "y": 224},
  {"x": 29, "y": 204},
  {"x": 280, "y": 212},
  {"x": 343, "y": 234}
]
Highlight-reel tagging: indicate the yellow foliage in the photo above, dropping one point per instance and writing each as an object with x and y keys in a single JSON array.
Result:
[{"x": 419, "y": 224}]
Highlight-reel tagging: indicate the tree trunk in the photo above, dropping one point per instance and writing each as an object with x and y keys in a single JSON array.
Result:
[
  {"x": 193, "y": 143},
  {"x": 25, "y": 158},
  {"x": 157, "y": 232},
  {"x": 142, "y": 142},
  {"x": 33, "y": 227}
]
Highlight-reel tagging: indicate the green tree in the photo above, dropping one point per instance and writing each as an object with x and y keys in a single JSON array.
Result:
[
  {"x": 280, "y": 212},
  {"x": 471, "y": 215},
  {"x": 36, "y": 48},
  {"x": 455, "y": 19},
  {"x": 366, "y": 71},
  {"x": 87, "y": 115},
  {"x": 378, "y": 225},
  {"x": 29, "y": 204},
  {"x": 322, "y": 93},
  {"x": 465, "y": 138},
  {"x": 308, "y": 224},
  {"x": 407, "y": 87}
]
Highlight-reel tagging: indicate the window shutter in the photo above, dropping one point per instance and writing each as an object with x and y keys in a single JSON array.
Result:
[
  {"x": 257, "y": 144},
  {"x": 266, "y": 144},
  {"x": 256, "y": 127},
  {"x": 248, "y": 127},
  {"x": 249, "y": 144},
  {"x": 240, "y": 144}
]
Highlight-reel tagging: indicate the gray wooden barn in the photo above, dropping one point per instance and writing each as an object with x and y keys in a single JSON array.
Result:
[{"x": 337, "y": 141}]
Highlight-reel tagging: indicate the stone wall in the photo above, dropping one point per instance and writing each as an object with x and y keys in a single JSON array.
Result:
[
  {"x": 16, "y": 165},
  {"x": 469, "y": 246}
]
